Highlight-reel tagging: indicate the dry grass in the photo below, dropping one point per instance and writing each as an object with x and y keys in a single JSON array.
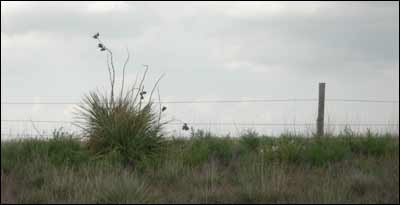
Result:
[{"x": 244, "y": 176}]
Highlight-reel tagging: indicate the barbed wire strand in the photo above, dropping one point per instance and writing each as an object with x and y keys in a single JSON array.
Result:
[
  {"x": 218, "y": 101},
  {"x": 224, "y": 123}
]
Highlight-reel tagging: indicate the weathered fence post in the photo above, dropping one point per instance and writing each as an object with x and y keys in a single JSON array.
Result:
[{"x": 321, "y": 108}]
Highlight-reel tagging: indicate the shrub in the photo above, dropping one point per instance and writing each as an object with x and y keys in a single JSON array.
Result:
[
  {"x": 250, "y": 140},
  {"x": 322, "y": 151},
  {"x": 125, "y": 124},
  {"x": 205, "y": 147},
  {"x": 63, "y": 149},
  {"x": 371, "y": 145},
  {"x": 289, "y": 149}
]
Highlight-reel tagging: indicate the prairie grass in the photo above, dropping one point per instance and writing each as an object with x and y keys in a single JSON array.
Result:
[{"x": 207, "y": 169}]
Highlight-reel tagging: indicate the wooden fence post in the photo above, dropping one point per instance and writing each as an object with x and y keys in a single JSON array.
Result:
[{"x": 321, "y": 108}]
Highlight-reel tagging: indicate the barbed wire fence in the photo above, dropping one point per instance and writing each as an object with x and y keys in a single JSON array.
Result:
[
  {"x": 179, "y": 122},
  {"x": 221, "y": 101}
]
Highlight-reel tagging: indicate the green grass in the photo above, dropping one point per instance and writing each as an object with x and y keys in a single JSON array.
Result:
[{"x": 206, "y": 169}]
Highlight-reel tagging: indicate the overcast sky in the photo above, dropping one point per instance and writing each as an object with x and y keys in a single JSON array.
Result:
[{"x": 208, "y": 50}]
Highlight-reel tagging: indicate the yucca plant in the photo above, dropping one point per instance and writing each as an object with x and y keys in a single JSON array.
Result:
[{"x": 126, "y": 124}]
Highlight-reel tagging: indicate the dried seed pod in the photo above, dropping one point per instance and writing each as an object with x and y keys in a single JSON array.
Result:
[
  {"x": 96, "y": 36},
  {"x": 185, "y": 127}
]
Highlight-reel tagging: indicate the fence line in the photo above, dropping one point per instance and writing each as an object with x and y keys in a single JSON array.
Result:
[
  {"x": 319, "y": 123},
  {"x": 26, "y": 135},
  {"x": 226, "y": 123},
  {"x": 220, "y": 101}
]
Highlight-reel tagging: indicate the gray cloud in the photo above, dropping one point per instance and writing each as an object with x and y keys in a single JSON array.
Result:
[
  {"x": 207, "y": 50},
  {"x": 333, "y": 37},
  {"x": 329, "y": 36},
  {"x": 66, "y": 19}
]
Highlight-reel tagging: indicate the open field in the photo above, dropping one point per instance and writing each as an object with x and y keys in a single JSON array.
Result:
[
  {"x": 207, "y": 169},
  {"x": 149, "y": 91}
]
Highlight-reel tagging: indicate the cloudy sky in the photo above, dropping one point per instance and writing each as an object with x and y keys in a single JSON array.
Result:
[{"x": 208, "y": 51}]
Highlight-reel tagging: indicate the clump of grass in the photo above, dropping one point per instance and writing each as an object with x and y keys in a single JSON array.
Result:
[
  {"x": 65, "y": 149},
  {"x": 288, "y": 149},
  {"x": 121, "y": 127},
  {"x": 250, "y": 140},
  {"x": 321, "y": 152},
  {"x": 39, "y": 181},
  {"x": 125, "y": 126},
  {"x": 206, "y": 147},
  {"x": 371, "y": 144},
  {"x": 61, "y": 149}
]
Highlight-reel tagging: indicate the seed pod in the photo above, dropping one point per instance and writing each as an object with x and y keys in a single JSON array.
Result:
[
  {"x": 96, "y": 36},
  {"x": 185, "y": 127}
]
